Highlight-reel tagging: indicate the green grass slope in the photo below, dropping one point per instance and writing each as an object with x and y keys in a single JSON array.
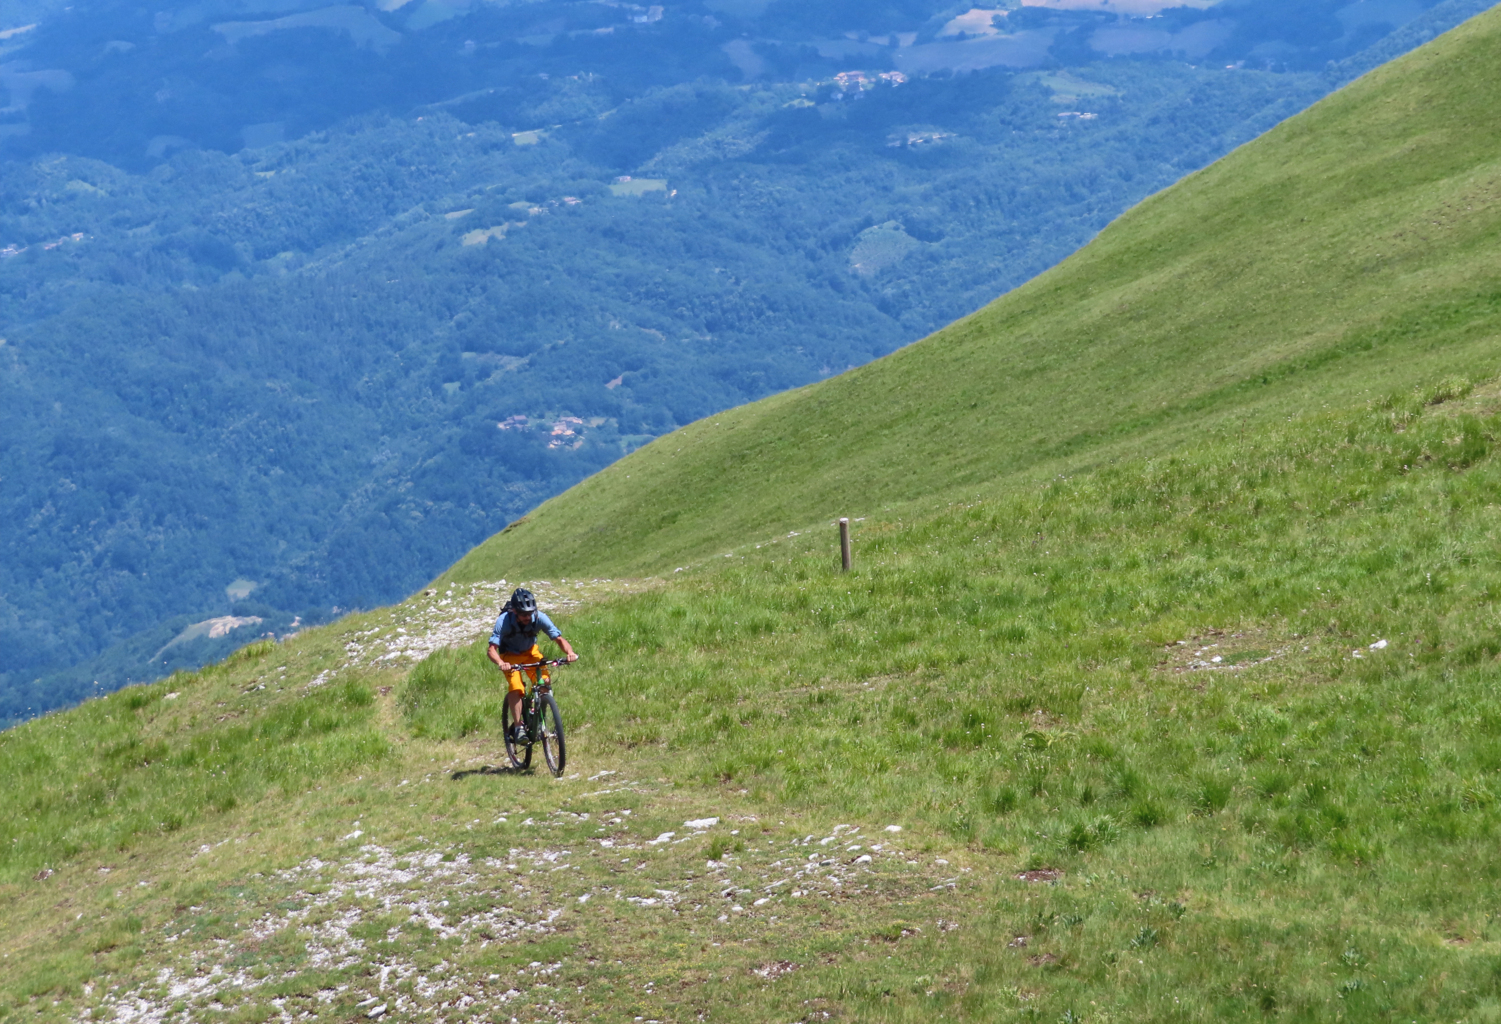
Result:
[
  {"x": 1352, "y": 248},
  {"x": 1179, "y": 718},
  {"x": 1209, "y": 736}
]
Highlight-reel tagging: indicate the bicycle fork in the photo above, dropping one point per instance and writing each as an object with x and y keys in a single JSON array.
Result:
[{"x": 531, "y": 711}]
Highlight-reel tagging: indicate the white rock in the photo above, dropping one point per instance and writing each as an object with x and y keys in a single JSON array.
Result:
[
  {"x": 864, "y": 858},
  {"x": 761, "y": 902},
  {"x": 171, "y": 696},
  {"x": 585, "y": 898},
  {"x": 893, "y": 828},
  {"x": 1378, "y": 645},
  {"x": 664, "y": 837},
  {"x": 702, "y": 823},
  {"x": 378, "y": 1010}
]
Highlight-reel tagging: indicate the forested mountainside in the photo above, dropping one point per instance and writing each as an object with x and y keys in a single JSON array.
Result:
[{"x": 296, "y": 307}]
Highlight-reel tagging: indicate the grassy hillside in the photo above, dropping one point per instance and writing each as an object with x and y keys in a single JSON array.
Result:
[
  {"x": 1212, "y": 735},
  {"x": 1189, "y": 714},
  {"x": 1350, "y": 249}
]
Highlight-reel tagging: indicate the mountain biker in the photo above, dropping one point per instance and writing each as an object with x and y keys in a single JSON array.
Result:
[{"x": 514, "y": 642}]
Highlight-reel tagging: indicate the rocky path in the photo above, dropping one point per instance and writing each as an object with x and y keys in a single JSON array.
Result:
[
  {"x": 460, "y": 614},
  {"x": 449, "y": 929}
]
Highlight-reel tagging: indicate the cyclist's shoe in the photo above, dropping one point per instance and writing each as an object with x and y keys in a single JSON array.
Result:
[{"x": 518, "y": 734}]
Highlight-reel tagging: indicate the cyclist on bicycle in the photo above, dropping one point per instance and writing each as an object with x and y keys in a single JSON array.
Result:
[{"x": 514, "y": 642}]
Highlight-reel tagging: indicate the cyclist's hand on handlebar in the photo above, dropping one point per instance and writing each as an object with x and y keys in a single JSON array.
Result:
[
  {"x": 503, "y": 666},
  {"x": 571, "y": 658}
]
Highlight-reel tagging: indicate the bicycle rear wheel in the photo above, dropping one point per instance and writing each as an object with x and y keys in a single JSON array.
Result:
[
  {"x": 520, "y": 754},
  {"x": 550, "y": 724}
]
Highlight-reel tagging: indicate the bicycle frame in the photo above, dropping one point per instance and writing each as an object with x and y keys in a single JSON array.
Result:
[
  {"x": 535, "y": 687},
  {"x": 535, "y": 698}
]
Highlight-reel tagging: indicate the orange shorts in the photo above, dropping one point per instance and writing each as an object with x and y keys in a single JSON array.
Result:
[{"x": 515, "y": 676}]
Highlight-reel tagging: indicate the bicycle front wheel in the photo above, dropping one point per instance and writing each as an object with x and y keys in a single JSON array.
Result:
[
  {"x": 520, "y": 754},
  {"x": 550, "y": 724}
]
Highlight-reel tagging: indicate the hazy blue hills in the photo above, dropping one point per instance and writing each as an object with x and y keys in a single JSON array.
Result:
[
  {"x": 301, "y": 301},
  {"x": 129, "y": 84}
]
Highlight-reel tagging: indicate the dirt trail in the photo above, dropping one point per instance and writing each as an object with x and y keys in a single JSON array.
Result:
[
  {"x": 400, "y": 929},
  {"x": 461, "y": 614}
]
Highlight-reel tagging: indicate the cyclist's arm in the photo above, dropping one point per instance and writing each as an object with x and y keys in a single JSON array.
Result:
[
  {"x": 493, "y": 653},
  {"x": 556, "y": 635}
]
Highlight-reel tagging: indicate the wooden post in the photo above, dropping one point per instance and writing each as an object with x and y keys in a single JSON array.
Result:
[{"x": 844, "y": 543}]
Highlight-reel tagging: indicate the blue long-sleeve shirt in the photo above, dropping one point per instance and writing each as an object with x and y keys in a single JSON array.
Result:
[{"x": 511, "y": 637}]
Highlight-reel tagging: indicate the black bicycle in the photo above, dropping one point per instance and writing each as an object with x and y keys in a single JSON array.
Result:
[{"x": 544, "y": 725}]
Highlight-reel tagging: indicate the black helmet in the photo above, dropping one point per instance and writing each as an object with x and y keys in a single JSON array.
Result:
[{"x": 523, "y": 601}]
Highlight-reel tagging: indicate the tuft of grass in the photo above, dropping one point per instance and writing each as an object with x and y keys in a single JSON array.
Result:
[
  {"x": 1149, "y": 814},
  {"x": 1214, "y": 794},
  {"x": 1448, "y": 389},
  {"x": 453, "y": 694}
]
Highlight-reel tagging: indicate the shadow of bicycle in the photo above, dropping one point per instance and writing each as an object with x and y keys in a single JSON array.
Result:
[{"x": 490, "y": 769}]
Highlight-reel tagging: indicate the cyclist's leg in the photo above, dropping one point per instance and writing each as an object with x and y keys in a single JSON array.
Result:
[
  {"x": 516, "y": 687},
  {"x": 532, "y": 657},
  {"x": 517, "y": 679}
]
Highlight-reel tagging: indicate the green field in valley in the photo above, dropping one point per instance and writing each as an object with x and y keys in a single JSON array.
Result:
[{"x": 1163, "y": 689}]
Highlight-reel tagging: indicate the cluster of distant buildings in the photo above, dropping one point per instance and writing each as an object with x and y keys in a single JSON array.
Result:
[
  {"x": 564, "y": 432},
  {"x": 16, "y": 250},
  {"x": 859, "y": 81},
  {"x": 920, "y": 138}
]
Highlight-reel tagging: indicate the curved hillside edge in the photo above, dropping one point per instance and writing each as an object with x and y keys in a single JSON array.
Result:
[{"x": 1347, "y": 252}]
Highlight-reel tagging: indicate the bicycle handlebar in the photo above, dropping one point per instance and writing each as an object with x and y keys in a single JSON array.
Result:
[{"x": 542, "y": 664}]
